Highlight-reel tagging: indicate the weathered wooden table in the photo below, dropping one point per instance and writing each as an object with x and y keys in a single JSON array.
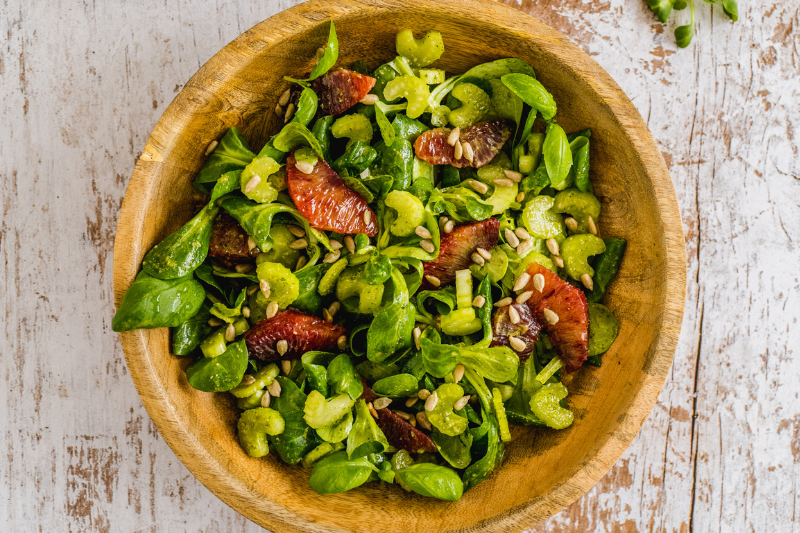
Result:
[{"x": 83, "y": 83}]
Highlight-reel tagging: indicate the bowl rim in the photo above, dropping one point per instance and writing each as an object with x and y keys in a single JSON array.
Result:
[{"x": 231, "y": 60}]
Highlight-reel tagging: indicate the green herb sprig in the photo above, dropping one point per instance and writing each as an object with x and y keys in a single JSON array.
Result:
[{"x": 684, "y": 34}]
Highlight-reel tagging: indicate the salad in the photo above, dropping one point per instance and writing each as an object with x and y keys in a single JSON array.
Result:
[{"x": 407, "y": 268}]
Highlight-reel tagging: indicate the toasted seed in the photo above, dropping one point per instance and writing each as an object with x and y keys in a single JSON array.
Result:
[
  {"x": 326, "y": 315},
  {"x": 336, "y": 245},
  {"x": 265, "y": 288},
  {"x": 230, "y": 333},
  {"x": 243, "y": 268},
  {"x": 402, "y": 414},
  {"x": 524, "y": 297},
  {"x": 279, "y": 110},
  {"x": 484, "y": 253},
  {"x": 423, "y": 394},
  {"x": 381, "y": 403},
  {"x": 304, "y": 166},
  {"x": 274, "y": 388},
  {"x": 592, "y": 226},
  {"x": 459, "y": 150},
  {"x": 350, "y": 244},
  {"x": 246, "y": 312},
  {"x": 461, "y": 403},
  {"x": 586, "y": 279},
  {"x": 341, "y": 342},
  {"x": 372, "y": 410},
  {"x": 369, "y": 99},
  {"x": 522, "y": 233},
  {"x": 448, "y": 226},
  {"x": 504, "y": 182},
  {"x": 469, "y": 153},
  {"x": 478, "y": 186},
  {"x": 251, "y": 242},
  {"x": 214, "y": 322},
  {"x": 423, "y": 232},
  {"x": 512, "y": 175},
  {"x": 265, "y": 400},
  {"x": 513, "y": 314},
  {"x": 332, "y": 257},
  {"x": 524, "y": 247},
  {"x": 289, "y": 114},
  {"x": 211, "y": 146},
  {"x": 550, "y": 316},
  {"x": 504, "y": 302},
  {"x": 516, "y": 343},
  {"x": 320, "y": 52},
  {"x": 477, "y": 259},
  {"x": 458, "y": 373},
  {"x": 298, "y": 244},
  {"x": 416, "y": 334},
  {"x": 430, "y": 403},
  {"x": 453, "y": 137},
  {"x": 252, "y": 290},
  {"x": 286, "y": 366},
  {"x": 571, "y": 224},
  {"x": 479, "y": 301},
  {"x": 442, "y": 221},
  {"x": 522, "y": 281},
  {"x": 367, "y": 217},
  {"x": 284, "y": 99},
  {"x": 511, "y": 239},
  {"x": 433, "y": 280},
  {"x": 552, "y": 245},
  {"x": 282, "y": 346},
  {"x": 558, "y": 261},
  {"x": 411, "y": 401},
  {"x": 252, "y": 183},
  {"x": 520, "y": 197},
  {"x": 297, "y": 231},
  {"x": 248, "y": 380},
  {"x": 334, "y": 308},
  {"x": 422, "y": 420},
  {"x": 272, "y": 309},
  {"x": 538, "y": 282},
  {"x": 301, "y": 262},
  {"x": 427, "y": 246}
]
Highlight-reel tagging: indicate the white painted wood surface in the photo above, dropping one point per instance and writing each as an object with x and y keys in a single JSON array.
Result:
[{"x": 82, "y": 84}]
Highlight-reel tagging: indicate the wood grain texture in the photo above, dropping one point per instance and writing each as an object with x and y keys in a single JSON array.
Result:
[{"x": 82, "y": 87}]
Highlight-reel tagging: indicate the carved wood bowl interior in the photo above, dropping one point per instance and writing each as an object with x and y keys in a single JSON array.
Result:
[{"x": 543, "y": 470}]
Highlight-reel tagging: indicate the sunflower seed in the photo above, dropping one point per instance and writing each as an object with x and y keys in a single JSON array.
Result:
[
  {"x": 469, "y": 153},
  {"x": 286, "y": 366},
  {"x": 558, "y": 261},
  {"x": 461, "y": 403},
  {"x": 448, "y": 226},
  {"x": 504, "y": 182},
  {"x": 453, "y": 137},
  {"x": 511, "y": 239},
  {"x": 272, "y": 309},
  {"x": 522, "y": 281},
  {"x": 289, "y": 114},
  {"x": 252, "y": 184},
  {"x": 459, "y": 150},
  {"x": 538, "y": 282},
  {"x": 246, "y": 312},
  {"x": 442, "y": 221},
  {"x": 552, "y": 245},
  {"x": 586, "y": 279},
  {"x": 336, "y": 245},
  {"x": 513, "y": 314},
  {"x": 402, "y": 414},
  {"x": 372, "y": 410},
  {"x": 279, "y": 110},
  {"x": 304, "y": 166},
  {"x": 326, "y": 315},
  {"x": 265, "y": 400},
  {"x": 350, "y": 244},
  {"x": 592, "y": 226},
  {"x": 524, "y": 247},
  {"x": 265, "y": 288},
  {"x": 301, "y": 262},
  {"x": 423, "y": 232},
  {"x": 479, "y": 301},
  {"x": 284, "y": 99},
  {"x": 513, "y": 176},
  {"x": 416, "y": 334},
  {"x": 251, "y": 242},
  {"x": 243, "y": 268},
  {"x": 248, "y": 380},
  {"x": 282, "y": 346},
  {"x": 211, "y": 146},
  {"x": 423, "y": 394},
  {"x": 522, "y": 233},
  {"x": 298, "y": 244},
  {"x": 524, "y": 297},
  {"x": 477, "y": 259},
  {"x": 274, "y": 388},
  {"x": 517, "y": 344},
  {"x": 520, "y": 197},
  {"x": 484, "y": 253},
  {"x": 252, "y": 290},
  {"x": 458, "y": 373},
  {"x": 427, "y": 246},
  {"x": 341, "y": 342},
  {"x": 214, "y": 322},
  {"x": 430, "y": 403},
  {"x": 504, "y": 302},
  {"x": 334, "y": 308},
  {"x": 433, "y": 280},
  {"x": 478, "y": 186},
  {"x": 369, "y": 99},
  {"x": 230, "y": 333},
  {"x": 550, "y": 316},
  {"x": 297, "y": 231},
  {"x": 381, "y": 403},
  {"x": 571, "y": 224},
  {"x": 367, "y": 217},
  {"x": 411, "y": 401},
  {"x": 332, "y": 257}
]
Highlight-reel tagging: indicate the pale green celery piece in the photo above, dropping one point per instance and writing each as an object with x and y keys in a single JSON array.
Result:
[
  {"x": 432, "y": 76},
  {"x": 545, "y": 405},
  {"x": 555, "y": 364},
  {"x": 263, "y": 167},
  {"x": 320, "y": 412},
  {"x": 534, "y": 257},
  {"x": 254, "y": 425},
  {"x": 355, "y": 127},
  {"x": 503, "y": 198},
  {"x": 284, "y": 287},
  {"x": 413, "y": 89},
  {"x": 495, "y": 267},
  {"x": 576, "y": 251},
  {"x": 306, "y": 155},
  {"x": 540, "y": 219},
  {"x": 463, "y": 289},
  {"x": 280, "y": 251},
  {"x": 214, "y": 345},
  {"x": 420, "y": 52},
  {"x": 410, "y": 212},
  {"x": 263, "y": 379},
  {"x": 475, "y": 103},
  {"x": 329, "y": 279},
  {"x": 603, "y": 329},
  {"x": 502, "y": 421},
  {"x": 461, "y": 322}
]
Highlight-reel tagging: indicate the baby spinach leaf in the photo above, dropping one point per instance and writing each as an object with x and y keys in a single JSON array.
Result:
[
  {"x": 532, "y": 93},
  {"x": 343, "y": 378},
  {"x": 661, "y": 8},
  {"x": 460, "y": 203},
  {"x": 391, "y": 329},
  {"x": 387, "y": 131},
  {"x": 222, "y": 373},
  {"x": 506, "y": 104},
  {"x": 432, "y": 480},
  {"x": 397, "y": 386},
  {"x": 297, "y": 438},
  {"x": 439, "y": 359},
  {"x": 379, "y": 186},
  {"x": 154, "y": 303},
  {"x": 442, "y": 417},
  {"x": 336, "y": 473},
  {"x": 498, "y": 363},
  {"x": 444, "y": 299},
  {"x": 315, "y": 363},
  {"x": 309, "y": 300},
  {"x": 580, "y": 168},
  {"x": 455, "y": 450},
  {"x": 306, "y": 107},
  {"x": 187, "y": 336},
  {"x": 322, "y": 132},
  {"x": 329, "y": 57},
  {"x": 183, "y": 250},
  {"x": 397, "y": 161},
  {"x": 480, "y": 469},
  {"x": 407, "y": 128},
  {"x": 499, "y": 68},
  {"x": 294, "y": 135},
  {"x": 227, "y": 183},
  {"x": 229, "y": 314},
  {"x": 232, "y": 153},
  {"x": 684, "y": 34},
  {"x": 358, "y": 157},
  {"x": 378, "y": 269},
  {"x": 557, "y": 155},
  {"x": 365, "y": 437},
  {"x": 339, "y": 430}
]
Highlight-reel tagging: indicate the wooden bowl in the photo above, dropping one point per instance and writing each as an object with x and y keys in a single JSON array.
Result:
[{"x": 543, "y": 470}]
